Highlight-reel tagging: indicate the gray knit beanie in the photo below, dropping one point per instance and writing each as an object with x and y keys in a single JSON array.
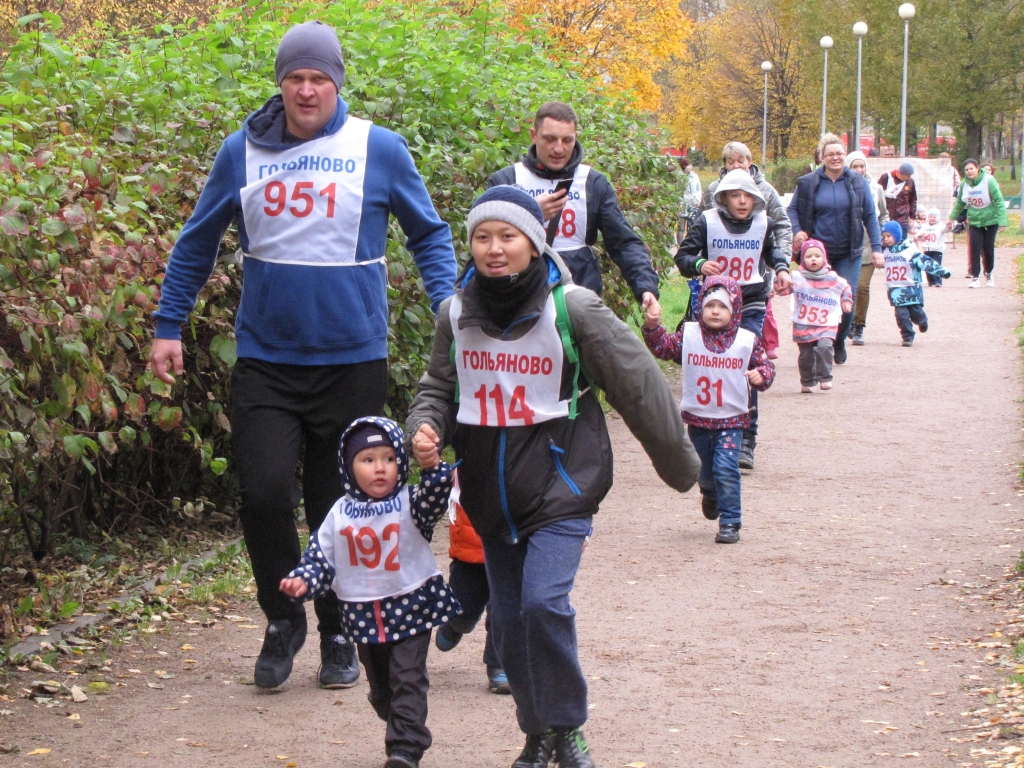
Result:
[
  {"x": 312, "y": 45},
  {"x": 513, "y": 205},
  {"x": 906, "y": 170}
]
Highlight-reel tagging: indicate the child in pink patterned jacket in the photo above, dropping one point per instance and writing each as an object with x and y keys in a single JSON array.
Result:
[{"x": 820, "y": 296}]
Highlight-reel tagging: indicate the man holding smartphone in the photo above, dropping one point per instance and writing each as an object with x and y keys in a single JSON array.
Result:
[{"x": 578, "y": 203}]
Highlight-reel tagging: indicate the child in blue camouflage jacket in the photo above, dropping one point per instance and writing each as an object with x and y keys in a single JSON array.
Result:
[{"x": 904, "y": 264}]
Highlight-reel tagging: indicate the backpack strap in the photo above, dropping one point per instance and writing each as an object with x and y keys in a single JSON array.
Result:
[
  {"x": 451, "y": 356},
  {"x": 564, "y": 327}
]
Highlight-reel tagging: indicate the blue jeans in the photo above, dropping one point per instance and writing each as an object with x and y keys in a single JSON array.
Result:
[
  {"x": 753, "y": 321},
  {"x": 469, "y": 583},
  {"x": 848, "y": 268},
  {"x": 719, "y": 451},
  {"x": 534, "y": 625}
]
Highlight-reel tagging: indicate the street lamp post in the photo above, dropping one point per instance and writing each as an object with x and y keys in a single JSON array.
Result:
[
  {"x": 826, "y": 43},
  {"x": 859, "y": 29},
  {"x": 766, "y": 67},
  {"x": 906, "y": 12}
]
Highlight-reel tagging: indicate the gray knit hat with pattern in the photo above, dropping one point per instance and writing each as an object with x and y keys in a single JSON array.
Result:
[
  {"x": 312, "y": 45},
  {"x": 513, "y": 205}
]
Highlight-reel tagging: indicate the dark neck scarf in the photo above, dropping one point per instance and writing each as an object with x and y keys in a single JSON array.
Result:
[{"x": 502, "y": 297}]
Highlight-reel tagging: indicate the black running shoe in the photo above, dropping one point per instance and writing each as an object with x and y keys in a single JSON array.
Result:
[
  {"x": 538, "y": 752},
  {"x": 281, "y": 641},
  {"x": 339, "y": 667},
  {"x": 571, "y": 749}
]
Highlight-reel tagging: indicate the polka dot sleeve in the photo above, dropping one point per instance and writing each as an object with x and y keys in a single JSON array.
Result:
[
  {"x": 315, "y": 569},
  {"x": 430, "y": 498}
]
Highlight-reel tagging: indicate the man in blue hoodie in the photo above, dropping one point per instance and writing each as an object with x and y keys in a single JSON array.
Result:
[{"x": 311, "y": 189}]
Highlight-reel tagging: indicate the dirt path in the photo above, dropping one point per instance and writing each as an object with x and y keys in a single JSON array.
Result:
[{"x": 825, "y": 638}]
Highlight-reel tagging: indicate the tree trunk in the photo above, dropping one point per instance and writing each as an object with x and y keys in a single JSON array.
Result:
[{"x": 972, "y": 137}]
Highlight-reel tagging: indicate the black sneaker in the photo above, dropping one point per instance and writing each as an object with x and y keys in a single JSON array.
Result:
[
  {"x": 747, "y": 450},
  {"x": 728, "y": 534},
  {"x": 908, "y": 342},
  {"x": 571, "y": 750},
  {"x": 840, "y": 353},
  {"x": 923, "y": 327},
  {"x": 339, "y": 667},
  {"x": 281, "y": 641},
  {"x": 400, "y": 759},
  {"x": 709, "y": 506},
  {"x": 538, "y": 752}
]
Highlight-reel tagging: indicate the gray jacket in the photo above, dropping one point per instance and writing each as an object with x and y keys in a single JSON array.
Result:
[
  {"x": 782, "y": 230},
  {"x": 525, "y": 462}
]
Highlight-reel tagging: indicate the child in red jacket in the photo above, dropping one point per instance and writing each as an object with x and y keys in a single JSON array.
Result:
[{"x": 467, "y": 577}]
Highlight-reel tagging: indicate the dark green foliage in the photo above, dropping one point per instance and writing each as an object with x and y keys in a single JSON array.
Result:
[{"x": 104, "y": 146}]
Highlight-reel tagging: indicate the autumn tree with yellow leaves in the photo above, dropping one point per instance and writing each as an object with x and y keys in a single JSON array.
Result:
[{"x": 621, "y": 44}]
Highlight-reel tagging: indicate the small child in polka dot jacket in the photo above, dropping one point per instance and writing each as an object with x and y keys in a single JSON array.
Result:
[{"x": 373, "y": 551}]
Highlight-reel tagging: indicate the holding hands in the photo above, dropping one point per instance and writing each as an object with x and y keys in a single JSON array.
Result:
[
  {"x": 652, "y": 311},
  {"x": 425, "y": 447}
]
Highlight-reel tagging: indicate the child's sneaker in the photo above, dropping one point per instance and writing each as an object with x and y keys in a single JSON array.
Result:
[
  {"x": 908, "y": 342},
  {"x": 857, "y": 335},
  {"x": 974, "y": 284},
  {"x": 709, "y": 506},
  {"x": 825, "y": 385},
  {"x": 447, "y": 637},
  {"x": 497, "y": 681},
  {"x": 923, "y": 327},
  {"x": 728, "y": 534},
  {"x": 990, "y": 282},
  {"x": 806, "y": 390}
]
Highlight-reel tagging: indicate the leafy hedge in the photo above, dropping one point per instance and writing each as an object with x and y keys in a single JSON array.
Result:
[{"x": 104, "y": 145}]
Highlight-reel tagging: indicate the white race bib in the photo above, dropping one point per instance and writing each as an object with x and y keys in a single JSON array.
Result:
[
  {"x": 572, "y": 229},
  {"x": 378, "y": 551},
  {"x": 976, "y": 197},
  {"x": 303, "y": 205},
  {"x": 715, "y": 383},
  {"x": 738, "y": 255},
  {"x": 931, "y": 237},
  {"x": 899, "y": 272},
  {"x": 815, "y": 306},
  {"x": 892, "y": 188},
  {"x": 512, "y": 383}
]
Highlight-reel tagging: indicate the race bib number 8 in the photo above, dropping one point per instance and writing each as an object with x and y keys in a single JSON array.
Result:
[{"x": 364, "y": 548}]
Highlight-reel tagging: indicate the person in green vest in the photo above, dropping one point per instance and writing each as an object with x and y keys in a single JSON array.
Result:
[{"x": 980, "y": 196}]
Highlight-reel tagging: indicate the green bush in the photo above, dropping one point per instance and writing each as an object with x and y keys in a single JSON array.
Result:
[{"x": 105, "y": 141}]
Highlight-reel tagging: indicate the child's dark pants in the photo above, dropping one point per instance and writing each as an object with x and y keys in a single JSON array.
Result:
[
  {"x": 815, "y": 362},
  {"x": 469, "y": 583},
  {"x": 909, "y": 316},
  {"x": 397, "y": 674}
]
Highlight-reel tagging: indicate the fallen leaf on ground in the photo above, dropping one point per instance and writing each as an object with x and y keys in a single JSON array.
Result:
[
  {"x": 187, "y": 647},
  {"x": 637, "y": 764},
  {"x": 9, "y": 749},
  {"x": 158, "y": 686},
  {"x": 40, "y": 751},
  {"x": 741, "y": 714},
  {"x": 74, "y": 716},
  {"x": 77, "y": 695},
  {"x": 39, "y": 666}
]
